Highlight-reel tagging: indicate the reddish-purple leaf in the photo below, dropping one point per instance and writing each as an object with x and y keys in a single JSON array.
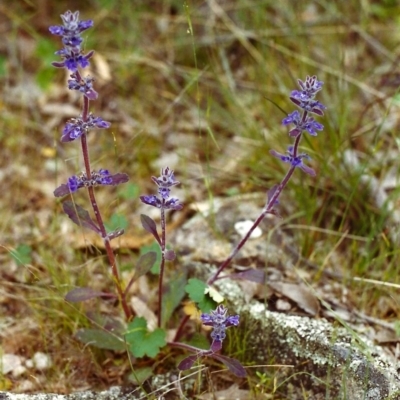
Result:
[
  {"x": 115, "y": 234},
  {"x": 145, "y": 263},
  {"x": 170, "y": 255},
  {"x": 84, "y": 293},
  {"x": 187, "y": 363},
  {"x": 80, "y": 216},
  {"x": 216, "y": 345},
  {"x": 308, "y": 170},
  {"x": 62, "y": 190},
  {"x": 233, "y": 365},
  {"x": 150, "y": 226},
  {"x": 118, "y": 178},
  {"x": 253, "y": 275}
]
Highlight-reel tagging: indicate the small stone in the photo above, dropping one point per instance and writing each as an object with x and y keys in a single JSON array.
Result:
[
  {"x": 9, "y": 362},
  {"x": 25, "y": 386},
  {"x": 29, "y": 363},
  {"x": 18, "y": 371},
  {"x": 283, "y": 305},
  {"x": 42, "y": 361},
  {"x": 242, "y": 227}
]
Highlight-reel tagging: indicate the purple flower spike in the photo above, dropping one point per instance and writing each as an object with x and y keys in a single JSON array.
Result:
[
  {"x": 72, "y": 40},
  {"x": 219, "y": 320},
  {"x": 164, "y": 183},
  {"x": 72, "y": 24},
  {"x": 305, "y": 98},
  {"x": 311, "y": 84}
]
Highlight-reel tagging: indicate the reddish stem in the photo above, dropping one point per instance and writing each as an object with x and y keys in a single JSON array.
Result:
[
  {"x": 99, "y": 219},
  {"x": 266, "y": 210},
  {"x": 162, "y": 265}
]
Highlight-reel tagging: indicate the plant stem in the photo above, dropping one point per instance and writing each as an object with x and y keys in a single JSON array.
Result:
[
  {"x": 162, "y": 265},
  {"x": 190, "y": 348},
  {"x": 266, "y": 210},
  {"x": 180, "y": 328},
  {"x": 99, "y": 219}
]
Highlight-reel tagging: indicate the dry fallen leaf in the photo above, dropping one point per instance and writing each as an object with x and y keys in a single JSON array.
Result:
[
  {"x": 232, "y": 393},
  {"x": 141, "y": 309},
  {"x": 298, "y": 293}
]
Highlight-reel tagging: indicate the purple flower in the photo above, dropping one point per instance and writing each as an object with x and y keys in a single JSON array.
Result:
[
  {"x": 100, "y": 177},
  {"x": 167, "y": 178},
  {"x": 74, "y": 183},
  {"x": 309, "y": 124},
  {"x": 71, "y": 39},
  {"x": 72, "y": 25},
  {"x": 164, "y": 192},
  {"x": 219, "y": 320},
  {"x": 295, "y": 161},
  {"x": 311, "y": 85},
  {"x": 307, "y": 104},
  {"x": 76, "y": 127},
  {"x": 293, "y": 118},
  {"x": 83, "y": 85},
  {"x": 164, "y": 183},
  {"x": 173, "y": 204},
  {"x": 72, "y": 60},
  {"x": 304, "y": 98},
  {"x": 151, "y": 200}
]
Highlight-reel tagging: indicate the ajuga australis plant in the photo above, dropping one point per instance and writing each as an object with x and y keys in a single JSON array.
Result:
[{"x": 135, "y": 337}]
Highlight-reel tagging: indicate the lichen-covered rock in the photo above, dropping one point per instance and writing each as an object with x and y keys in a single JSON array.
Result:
[
  {"x": 333, "y": 361},
  {"x": 114, "y": 393}
]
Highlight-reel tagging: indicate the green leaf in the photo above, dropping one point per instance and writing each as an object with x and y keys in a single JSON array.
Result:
[
  {"x": 200, "y": 341},
  {"x": 22, "y": 254},
  {"x": 141, "y": 342},
  {"x": 130, "y": 191},
  {"x": 44, "y": 51},
  {"x": 196, "y": 289},
  {"x": 139, "y": 375},
  {"x": 397, "y": 328},
  {"x": 145, "y": 263},
  {"x": 154, "y": 247},
  {"x": 3, "y": 61},
  {"x": 44, "y": 77},
  {"x": 117, "y": 221},
  {"x": 100, "y": 339},
  {"x": 173, "y": 295}
]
